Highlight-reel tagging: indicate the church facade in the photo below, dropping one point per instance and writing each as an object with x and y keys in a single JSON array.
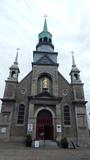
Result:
[{"x": 44, "y": 104}]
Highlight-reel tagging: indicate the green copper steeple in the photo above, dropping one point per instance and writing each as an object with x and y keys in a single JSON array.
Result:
[
  {"x": 45, "y": 38},
  {"x": 45, "y": 29}
]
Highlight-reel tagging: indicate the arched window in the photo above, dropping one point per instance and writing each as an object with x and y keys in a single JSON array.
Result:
[
  {"x": 40, "y": 40},
  {"x": 66, "y": 115},
  {"x": 50, "y": 40},
  {"x": 45, "y": 39},
  {"x": 44, "y": 83},
  {"x": 13, "y": 73},
  {"x": 76, "y": 76},
  {"x": 21, "y": 112}
]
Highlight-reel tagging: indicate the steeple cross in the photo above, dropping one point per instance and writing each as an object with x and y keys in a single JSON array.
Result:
[
  {"x": 18, "y": 49},
  {"x": 45, "y": 16},
  {"x": 72, "y": 53}
]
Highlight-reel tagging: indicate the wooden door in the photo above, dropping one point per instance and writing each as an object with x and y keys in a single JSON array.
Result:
[{"x": 44, "y": 129}]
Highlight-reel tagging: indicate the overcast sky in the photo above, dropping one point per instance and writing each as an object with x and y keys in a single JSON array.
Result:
[{"x": 69, "y": 23}]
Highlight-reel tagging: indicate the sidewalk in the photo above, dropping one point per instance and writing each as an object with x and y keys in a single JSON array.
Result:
[{"x": 18, "y": 151}]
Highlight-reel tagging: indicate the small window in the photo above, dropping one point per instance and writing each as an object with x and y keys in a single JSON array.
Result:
[
  {"x": 13, "y": 74},
  {"x": 21, "y": 112},
  {"x": 45, "y": 39},
  {"x": 76, "y": 76},
  {"x": 40, "y": 40},
  {"x": 66, "y": 115},
  {"x": 50, "y": 40}
]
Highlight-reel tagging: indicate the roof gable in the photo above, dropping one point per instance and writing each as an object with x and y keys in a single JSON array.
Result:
[
  {"x": 44, "y": 96},
  {"x": 45, "y": 60}
]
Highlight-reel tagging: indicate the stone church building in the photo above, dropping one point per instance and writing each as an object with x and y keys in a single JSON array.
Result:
[{"x": 44, "y": 103}]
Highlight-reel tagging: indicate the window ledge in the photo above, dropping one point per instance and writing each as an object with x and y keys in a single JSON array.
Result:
[
  {"x": 82, "y": 127},
  {"x": 20, "y": 125},
  {"x": 66, "y": 126}
]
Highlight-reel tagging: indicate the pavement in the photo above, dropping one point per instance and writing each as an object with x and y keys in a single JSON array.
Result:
[{"x": 18, "y": 151}]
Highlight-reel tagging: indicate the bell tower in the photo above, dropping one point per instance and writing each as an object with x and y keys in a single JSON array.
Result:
[
  {"x": 9, "y": 97},
  {"x": 14, "y": 70},
  {"x": 79, "y": 104},
  {"x": 75, "y": 73},
  {"x": 77, "y": 85},
  {"x": 45, "y": 40},
  {"x": 12, "y": 81}
]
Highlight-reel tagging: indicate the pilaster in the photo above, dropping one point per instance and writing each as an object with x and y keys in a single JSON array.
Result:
[
  {"x": 31, "y": 120},
  {"x": 81, "y": 125},
  {"x": 58, "y": 123}
]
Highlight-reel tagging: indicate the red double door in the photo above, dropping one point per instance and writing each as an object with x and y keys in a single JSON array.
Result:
[{"x": 44, "y": 128}]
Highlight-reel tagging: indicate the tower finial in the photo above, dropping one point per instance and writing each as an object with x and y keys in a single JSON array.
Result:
[
  {"x": 73, "y": 61},
  {"x": 45, "y": 24},
  {"x": 45, "y": 16},
  {"x": 16, "y": 58}
]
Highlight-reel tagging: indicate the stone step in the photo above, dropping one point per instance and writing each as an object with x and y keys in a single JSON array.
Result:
[{"x": 47, "y": 144}]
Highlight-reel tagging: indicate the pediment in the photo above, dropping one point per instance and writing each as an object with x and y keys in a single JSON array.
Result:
[
  {"x": 44, "y": 94},
  {"x": 45, "y": 60}
]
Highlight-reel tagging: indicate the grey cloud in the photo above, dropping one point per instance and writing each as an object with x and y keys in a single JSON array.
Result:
[{"x": 13, "y": 33}]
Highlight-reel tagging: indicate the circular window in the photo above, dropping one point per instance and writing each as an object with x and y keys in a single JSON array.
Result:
[
  {"x": 23, "y": 91},
  {"x": 65, "y": 91}
]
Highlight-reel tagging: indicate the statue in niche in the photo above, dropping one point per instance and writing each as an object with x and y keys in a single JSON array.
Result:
[{"x": 45, "y": 83}]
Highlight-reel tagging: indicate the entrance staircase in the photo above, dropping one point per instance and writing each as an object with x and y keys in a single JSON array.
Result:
[{"x": 47, "y": 144}]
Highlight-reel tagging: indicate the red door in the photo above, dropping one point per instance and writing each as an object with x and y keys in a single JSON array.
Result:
[{"x": 44, "y": 129}]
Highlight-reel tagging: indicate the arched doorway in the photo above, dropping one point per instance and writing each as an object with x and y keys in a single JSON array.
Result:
[{"x": 44, "y": 126}]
